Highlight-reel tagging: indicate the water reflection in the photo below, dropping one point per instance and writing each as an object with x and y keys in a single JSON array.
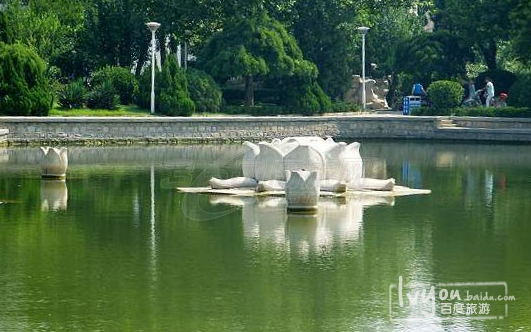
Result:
[
  {"x": 54, "y": 195},
  {"x": 338, "y": 220},
  {"x": 4, "y": 156}
]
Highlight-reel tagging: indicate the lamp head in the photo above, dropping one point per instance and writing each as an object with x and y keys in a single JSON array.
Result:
[
  {"x": 363, "y": 30},
  {"x": 153, "y": 26}
]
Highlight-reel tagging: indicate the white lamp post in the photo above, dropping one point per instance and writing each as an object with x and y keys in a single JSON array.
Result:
[
  {"x": 153, "y": 26},
  {"x": 363, "y": 31}
]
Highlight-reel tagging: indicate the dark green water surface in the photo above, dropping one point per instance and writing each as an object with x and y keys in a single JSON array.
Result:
[{"x": 117, "y": 248}]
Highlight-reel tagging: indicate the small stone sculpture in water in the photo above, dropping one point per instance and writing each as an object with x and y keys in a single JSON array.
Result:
[
  {"x": 302, "y": 190},
  {"x": 54, "y": 163}
]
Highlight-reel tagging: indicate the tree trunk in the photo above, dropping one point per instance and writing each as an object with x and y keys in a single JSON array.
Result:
[
  {"x": 489, "y": 52},
  {"x": 249, "y": 91}
]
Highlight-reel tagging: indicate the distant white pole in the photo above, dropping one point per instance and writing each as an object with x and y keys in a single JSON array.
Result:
[
  {"x": 363, "y": 31},
  {"x": 153, "y": 26}
]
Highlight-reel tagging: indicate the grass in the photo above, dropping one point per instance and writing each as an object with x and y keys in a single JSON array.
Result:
[{"x": 122, "y": 110}]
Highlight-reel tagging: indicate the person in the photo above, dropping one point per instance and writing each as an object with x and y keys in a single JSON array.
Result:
[
  {"x": 418, "y": 90},
  {"x": 489, "y": 87}
]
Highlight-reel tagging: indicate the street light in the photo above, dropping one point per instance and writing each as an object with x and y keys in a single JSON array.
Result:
[
  {"x": 153, "y": 26},
  {"x": 363, "y": 31}
]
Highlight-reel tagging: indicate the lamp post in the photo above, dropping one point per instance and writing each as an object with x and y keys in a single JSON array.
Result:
[
  {"x": 153, "y": 26},
  {"x": 363, "y": 31}
]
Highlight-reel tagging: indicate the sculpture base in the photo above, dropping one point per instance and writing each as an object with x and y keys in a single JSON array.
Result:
[
  {"x": 61, "y": 177},
  {"x": 302, "y": 209}
]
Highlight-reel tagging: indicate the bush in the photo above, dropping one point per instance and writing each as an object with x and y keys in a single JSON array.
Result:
[
  {"x": 502, "y": 112},
  {"x": 502, "y": 80},
  {"x": 72, "y": 95},
  {"x": 171, "y": 91},
  {"x": 306, "y": 99},
  {"x": 445, "y": 94},
  {"x": 257, "y": 110},
  {"x": 24, "y": 89},
  {"x": 204, "y": 91},
  {"x": 342, "y": 106},
  {"x": 103, "y": 96},
  {"x": 122, "y": 81},
  {"x": 520, "y": 92}
]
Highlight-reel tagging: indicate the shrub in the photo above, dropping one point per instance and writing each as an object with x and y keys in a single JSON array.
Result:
[
  {"x": 445, "y": 94},
  {"x": 103, "y": 96},
  {"x": 171, "y": 92},
  {"x": 502, "y": 112},
  {"x": 204, "y": 91},
  {"x": 341, "y": 106},
  {"x": 72, "y": 95},
  {"x": 24, "y": 89},
  {"x": 306, "y": 99},
  {"x": 520, "y": 92},
  {"x": 502, "y": 80},
  {"x": 122, "y": 81}
]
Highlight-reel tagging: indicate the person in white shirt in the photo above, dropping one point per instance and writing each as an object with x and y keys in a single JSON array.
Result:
[{"x": 489, "y": 87}]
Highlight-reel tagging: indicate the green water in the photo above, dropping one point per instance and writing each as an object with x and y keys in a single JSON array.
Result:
[{"x": 116, "y": 248}]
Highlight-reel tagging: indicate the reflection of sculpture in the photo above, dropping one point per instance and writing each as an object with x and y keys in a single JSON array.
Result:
[
  {"x": 302, "y": 190},
  {"x": 54, "y": 163},
  {"x": 4, "y": 156},
  {"x": 338, "y": 220},
  {"x": 54, "y": 195},
  {"x": 375, "y": 90}
]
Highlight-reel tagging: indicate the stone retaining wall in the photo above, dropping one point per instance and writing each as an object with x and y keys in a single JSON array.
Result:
[
  {"x": 492, "y": 123},
  {"x": 3, "y": 136},
  {"x": 55, "y": 130}
]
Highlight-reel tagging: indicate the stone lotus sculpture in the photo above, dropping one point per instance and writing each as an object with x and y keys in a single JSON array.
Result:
[
  {"x": 54, "y": 163},
  {"x": 268, "y": 162},
  {"x": 302, "y": 190}
]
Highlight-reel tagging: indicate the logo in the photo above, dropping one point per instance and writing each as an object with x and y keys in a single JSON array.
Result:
[{"x": 447, "y": 301}]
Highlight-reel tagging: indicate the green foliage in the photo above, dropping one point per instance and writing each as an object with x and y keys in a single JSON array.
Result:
[
  {"x": 435, "y": 56},
  {"x": 122, "y": 80},
  {"x": 24, "y": 89},
  {"x": 445, "y": 94},
  {"x": 72, "y": 95},
  {"x": 204, "y": 91},
  {"x": 103, "y": 96},
  {"x": 522, "y": 30},
  {"x": 520, "y": 92},
  {"x": 114, "y": 33},
  {"x": 341, "y": 107},
  {"x": 500, "y": 112},
  {"x": 326, "y": 36},
  {"x": 481, "y": 24},
  {"x": 49, "y": 27},
  {"x": 502, "y": 80},
  {"x": 401, "y": 87},
  {"x": 257, "y": 47},
  {"x": 171, "y": 91}
]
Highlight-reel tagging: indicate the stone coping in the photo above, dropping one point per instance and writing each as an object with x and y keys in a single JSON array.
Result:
[{"x": 36, "y": 119}]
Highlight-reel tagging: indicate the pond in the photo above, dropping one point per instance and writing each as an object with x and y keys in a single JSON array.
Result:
[{"x": 117, "y": 248}]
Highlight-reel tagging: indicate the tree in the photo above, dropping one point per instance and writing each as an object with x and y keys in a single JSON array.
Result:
[
  {"x": 480, "y": 24},
  {"x": 434, "y": 56},
  {"x": 325, "y": 34},
  {"x": 114, "y": 34},
  {"x": 520, "y": 16},
  {"x": 24, "y": 89},
  {"x": 252, "y": 47}
]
